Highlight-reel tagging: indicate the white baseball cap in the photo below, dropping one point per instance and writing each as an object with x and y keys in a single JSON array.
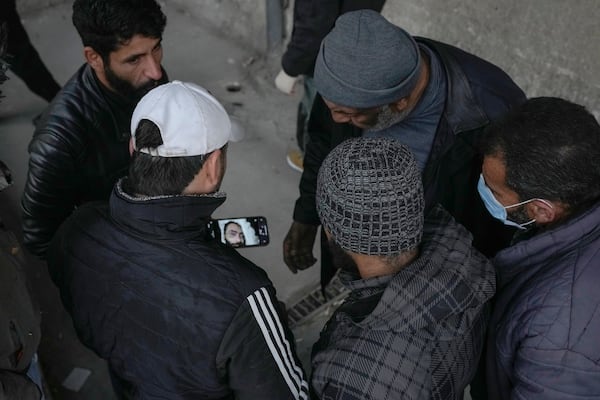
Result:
[{"x": 191, "y": 121}]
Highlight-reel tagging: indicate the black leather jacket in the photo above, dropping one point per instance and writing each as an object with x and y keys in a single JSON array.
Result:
[
  {"x": 78, "y": 151},
  {"x": 477, "y": 93}
]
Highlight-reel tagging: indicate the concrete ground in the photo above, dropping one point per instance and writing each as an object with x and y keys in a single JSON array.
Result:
[{"x": 258, "y": 180}]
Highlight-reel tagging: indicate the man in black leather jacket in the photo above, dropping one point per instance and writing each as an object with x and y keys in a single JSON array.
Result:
[
  {"x": 375, "y": 79},
  {"x": 80, "y": 146}
]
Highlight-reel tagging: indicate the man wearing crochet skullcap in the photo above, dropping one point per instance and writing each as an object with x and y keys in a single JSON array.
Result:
[
  {"x": 374, "y": 79},
  {"x": 413, "y": 324}
]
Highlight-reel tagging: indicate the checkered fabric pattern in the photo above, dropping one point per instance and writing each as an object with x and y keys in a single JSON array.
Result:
[
  {"x": 416, "y": 335},
  {"x": 370, "y": 196}
]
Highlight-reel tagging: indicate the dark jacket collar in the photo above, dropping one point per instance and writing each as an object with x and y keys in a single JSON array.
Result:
[
  {"x": 462, "y": 111},
  {"x": 120, "y": 108},
  {"x": 164, "y": 217},
  {"x": 549, "y": 245}
]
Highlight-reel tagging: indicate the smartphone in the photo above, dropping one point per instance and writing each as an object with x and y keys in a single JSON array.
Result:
[{"x": 241, "y": 231}]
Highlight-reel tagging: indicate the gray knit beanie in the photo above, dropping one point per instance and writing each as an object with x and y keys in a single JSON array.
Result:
[
  {"x": 370, "y": 196},
  {"x": 366, "y": 61}
]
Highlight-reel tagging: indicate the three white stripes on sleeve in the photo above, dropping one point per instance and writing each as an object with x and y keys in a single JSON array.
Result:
[{"x": 270, "y": 326}]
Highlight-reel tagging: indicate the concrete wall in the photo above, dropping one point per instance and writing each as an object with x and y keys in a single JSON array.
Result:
[
  {"x": 25, "y": 6},
  {"x": 245, "y": 20},
  {"x": 549, "y": 47}
]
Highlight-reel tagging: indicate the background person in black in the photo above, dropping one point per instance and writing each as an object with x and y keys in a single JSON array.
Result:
[
  {"x": 22, "y": 57},
  {"x": 313, "y": 19}
]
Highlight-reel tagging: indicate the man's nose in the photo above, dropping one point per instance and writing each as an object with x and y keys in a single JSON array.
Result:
[
  {"x": 153, "y": 69},
  {"x": 340, "y": 118},
  {"x": 357, "y": 121}
]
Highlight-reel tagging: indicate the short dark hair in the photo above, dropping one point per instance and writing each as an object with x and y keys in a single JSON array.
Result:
[
  {"x": 230, "y": 223},
  {"x": 158, "y": 176},
  {"x": 551, "y": 150},
  {"x": 104, "y": 25}
]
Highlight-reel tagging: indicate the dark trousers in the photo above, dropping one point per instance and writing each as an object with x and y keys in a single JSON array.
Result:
[{"x": 22, "y": 57}]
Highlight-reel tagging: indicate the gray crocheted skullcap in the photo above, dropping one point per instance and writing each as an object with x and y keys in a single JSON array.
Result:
[
  {"x": 370, "y": 196},
  {"x": 366, "y": 61}
]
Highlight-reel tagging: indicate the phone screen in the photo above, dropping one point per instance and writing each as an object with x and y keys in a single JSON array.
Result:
[{"x": 242, "y": 231}]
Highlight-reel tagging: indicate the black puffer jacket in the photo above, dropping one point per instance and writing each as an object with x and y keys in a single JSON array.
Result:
[
  {"x": 477, "y": 93},
  {"x": 177, "y": 315},
  {"x": 77, "y": 153}
]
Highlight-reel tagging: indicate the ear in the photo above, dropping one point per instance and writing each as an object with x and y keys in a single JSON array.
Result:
[
  {"x": 543, "y": 212},
  {"x": 212, "y": 168},
  {"x": 208, "y": 179},
  {"x": 399, "y": 105},
  {"x": 93, "y": 59}
]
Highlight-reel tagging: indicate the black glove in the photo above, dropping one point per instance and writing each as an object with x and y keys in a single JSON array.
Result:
[{"x": 298, "y": 245}]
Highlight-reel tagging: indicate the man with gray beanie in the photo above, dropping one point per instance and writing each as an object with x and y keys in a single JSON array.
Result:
[
  {"x": 414, "y": 322},
  {"x": 374, "y": 79}
]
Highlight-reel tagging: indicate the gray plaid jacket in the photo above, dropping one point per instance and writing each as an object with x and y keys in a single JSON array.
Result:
[{"x": 415, "y": 335}]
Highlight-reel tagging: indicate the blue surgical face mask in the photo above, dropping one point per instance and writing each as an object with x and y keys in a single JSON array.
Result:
[{"x": 496, "y": 209}]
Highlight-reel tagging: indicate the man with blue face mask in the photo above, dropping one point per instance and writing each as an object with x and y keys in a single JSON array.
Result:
[
  {"x": 499, "y": 211},
  {"x": 541, "y": 173}
]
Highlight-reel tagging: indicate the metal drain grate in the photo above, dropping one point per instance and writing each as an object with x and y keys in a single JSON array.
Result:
[{"x": 313, "y": 302}]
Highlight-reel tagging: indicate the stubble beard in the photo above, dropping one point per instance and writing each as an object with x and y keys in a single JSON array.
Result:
[
  {"x": 387, "y": 118},
  {"x": 125, "y": 88}
]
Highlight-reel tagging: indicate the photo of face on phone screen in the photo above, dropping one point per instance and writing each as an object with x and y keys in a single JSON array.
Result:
[{"x": 244, "y": 232}]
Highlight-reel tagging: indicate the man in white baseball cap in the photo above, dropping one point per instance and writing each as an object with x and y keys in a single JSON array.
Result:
[{"x": 175, "y": 312}]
